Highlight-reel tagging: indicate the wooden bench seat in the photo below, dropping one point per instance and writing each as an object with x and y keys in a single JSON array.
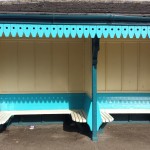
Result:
[
  {"x": 77, "y": 115},
  {"x": 106, "y": 117},
  {"x": 106, "y": 113},
  {"x": 4, "y": 117},
  {"x": 126, "y": 111}
]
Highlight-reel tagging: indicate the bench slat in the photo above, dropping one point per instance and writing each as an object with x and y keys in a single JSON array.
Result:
[
  {"x": 109, "y": 117},
  {"x": 106, "y": 117},
  {"x": 126, "y": 111},
  {"x": 4, "y": 117},
  {"x": 76, "y": 115},
  {"x": 79, "y": 116},
  {"x": 82, "y": 116},
  {"x": 73, "y": 116}
]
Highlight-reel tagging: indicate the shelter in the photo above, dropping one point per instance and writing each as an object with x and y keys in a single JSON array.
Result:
[{"x": 86, "y": 58}]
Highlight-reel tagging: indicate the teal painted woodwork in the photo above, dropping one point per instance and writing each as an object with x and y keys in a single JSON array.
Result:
[
  {"x": 87, "y": 107},
  {"x": 124, "y": 100},
  {"x": 96, "y": 116},
  {"x": 51, "y": 101},
  {"x": 80, "y": 31},
  {"x": 10, "y": 102},
  {"x": 94, "y": 103},
  {"x": 47, "y": 101}
]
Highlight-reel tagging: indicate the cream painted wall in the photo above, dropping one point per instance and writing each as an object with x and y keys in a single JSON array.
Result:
[
  {"x": 44, "y": 65},
  {"x": 88, "y": 67},
  {"x": 64, "y": 65},
  {"x": 124, "y": 65}
]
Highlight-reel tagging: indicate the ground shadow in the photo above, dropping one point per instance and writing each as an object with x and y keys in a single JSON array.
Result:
[
  {"x": 68, "y": 124},
  {"x": 3, "y": 128},
  {"x": 71, "y": 126}
]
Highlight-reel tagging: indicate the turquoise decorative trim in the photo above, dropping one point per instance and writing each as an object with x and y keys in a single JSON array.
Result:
[
  {"x": 124, "y": 100},
  {"x": 67, "y": 31},
  {"x": 10, "y": 102}
]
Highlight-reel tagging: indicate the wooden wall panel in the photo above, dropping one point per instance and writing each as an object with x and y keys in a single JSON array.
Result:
[
  {"x": 125, "y": 66},
  {"x": 144, "y": 66},
  {"x": 46, "y": 65},
  {"x": 88, "y": 66},
  {"x": 76, "y": 67},
  {"x": 101, "y": 79},
  {"x": 43, "y": 66},
  {"x": 8, "y": 66},
  {"x": 60, "y": 67},
  {"x": 26, "y": 66},
  {"x": 113, "y": 66},
  {"x": 130, "y": 66}
]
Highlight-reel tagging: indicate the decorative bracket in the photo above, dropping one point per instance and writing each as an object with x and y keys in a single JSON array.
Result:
[{"x": 95, "y": 49}]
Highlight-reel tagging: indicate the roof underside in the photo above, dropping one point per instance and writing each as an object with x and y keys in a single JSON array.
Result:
[{"x": 127, "y": 7}]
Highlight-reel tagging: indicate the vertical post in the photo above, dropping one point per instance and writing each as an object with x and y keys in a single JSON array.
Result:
[{"x": 95, "y": 49}]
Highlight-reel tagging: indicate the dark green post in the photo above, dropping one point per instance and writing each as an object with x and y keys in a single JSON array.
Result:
[{"x": 95, "y": 49}]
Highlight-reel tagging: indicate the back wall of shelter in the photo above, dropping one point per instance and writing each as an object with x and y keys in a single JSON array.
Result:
[
  {"x": 45, "y": 65},
  {"x": 64, "y": 65},
  {"x": 124, "y": 65}
]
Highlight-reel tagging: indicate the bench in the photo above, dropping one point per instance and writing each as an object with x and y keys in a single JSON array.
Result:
[
  {"x": 106, "y": 117},
  {"x": 106, "y": 113},
  {"x": 126, "y": 111},
  {"x": 76, "y": 115},
  {"x": 124, "y": 103}
]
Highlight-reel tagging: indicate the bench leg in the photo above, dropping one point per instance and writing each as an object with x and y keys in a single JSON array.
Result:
[
  {"x": 101, "y": 129},
  {"x": 3, "y": 127},
  {"x": 80, "y": 127}
]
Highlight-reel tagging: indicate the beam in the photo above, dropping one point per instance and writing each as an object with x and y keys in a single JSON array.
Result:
[
  {"x": 80, "y": 19},
  {"x": 95, "y": 49}
]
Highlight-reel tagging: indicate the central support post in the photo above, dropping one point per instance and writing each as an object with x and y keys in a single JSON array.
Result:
[{"x": 95, "y": 49}]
